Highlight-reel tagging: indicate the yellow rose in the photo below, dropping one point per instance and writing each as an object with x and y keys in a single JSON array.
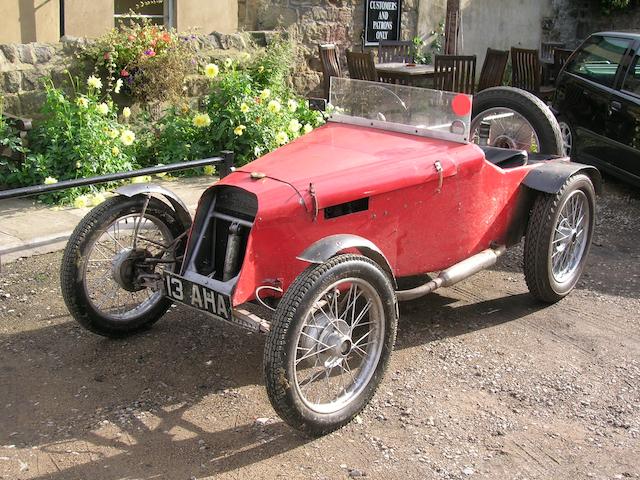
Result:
[
  {"x": 127, "y": 137},
  {"x": 282, "y": 138},
  {"x": 274, "y": 106},
  {"x": 211, "y": 70},
  {"x": 292, "y": 105},
  {"x": 126, "y": 112},
  {"x": 294, "y": 126},
  {"x": 265, "y": 94},
  {"x": 50, "y": 181},
  {"x": 202, "y": 120},
  {"x": 209, "y": 170},
  {"x": 112, "y": 133},
  {"x": 115, "y": 151},
  {"x": 244, "y": 108},
  {"x": 81, "y": 202},
  {"x": 82, "y": 102},
  {"x": 103, "y": 108}
]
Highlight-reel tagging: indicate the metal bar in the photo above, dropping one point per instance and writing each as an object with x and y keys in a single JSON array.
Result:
[
  {"x": 136, "y": 15},
  {"x": 113, "y": 177}
]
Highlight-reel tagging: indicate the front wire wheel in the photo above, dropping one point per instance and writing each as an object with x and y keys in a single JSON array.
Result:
[
  {"x": 113, "y": 262},
  {"x": 331, "y": 338},
  {"x": 558, "y": 239}
]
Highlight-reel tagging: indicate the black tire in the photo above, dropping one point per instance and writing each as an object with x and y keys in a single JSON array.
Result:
[
  {"x": 289, "y": 321},
  {"x": 75, "y": 258},
  {"x": 544, "y": 237},
  {"x": 534, "y": 110}
]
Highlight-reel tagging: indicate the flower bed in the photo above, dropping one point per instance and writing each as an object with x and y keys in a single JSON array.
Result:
[{"x": 249, "y": 109}]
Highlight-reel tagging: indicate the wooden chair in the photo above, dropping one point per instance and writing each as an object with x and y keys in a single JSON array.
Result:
[
  {"x": 526, "y": 72},
  {"x": 330, "y": 65},
  {"x": 547, "y": 48},
  {"x": 395, "y": 51},
  {"x": 455, "y": 73},
  {"x": 493, "y": 68},
  {"x": 362, "y": 66},
  {"x": 560, "y": 57}
]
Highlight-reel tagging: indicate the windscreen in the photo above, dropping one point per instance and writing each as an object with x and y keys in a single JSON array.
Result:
[{"x": 399, "y": 108}]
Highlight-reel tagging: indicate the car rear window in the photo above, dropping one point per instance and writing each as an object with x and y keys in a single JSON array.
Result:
[
  {"x": 632, "y": 81},
  {"x": 598, "y": 59}
]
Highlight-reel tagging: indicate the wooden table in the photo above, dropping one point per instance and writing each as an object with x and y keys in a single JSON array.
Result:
[{"x": 416, "y": 75}]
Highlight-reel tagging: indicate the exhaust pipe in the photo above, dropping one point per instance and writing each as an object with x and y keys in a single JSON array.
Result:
[{"x": 455, "y": 273}]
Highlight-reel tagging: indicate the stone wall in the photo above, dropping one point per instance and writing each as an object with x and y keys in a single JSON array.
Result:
[
  {"x": 317, "y": 21},
  {"x": 574, "y": 20},
  {"x": 23, "y": 67}
]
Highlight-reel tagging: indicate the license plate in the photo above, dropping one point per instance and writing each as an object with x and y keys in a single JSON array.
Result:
[{"x": 198, "y": 296}]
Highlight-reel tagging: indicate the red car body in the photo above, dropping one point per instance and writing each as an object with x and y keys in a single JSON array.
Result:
[{"x": 422, "y": 220}]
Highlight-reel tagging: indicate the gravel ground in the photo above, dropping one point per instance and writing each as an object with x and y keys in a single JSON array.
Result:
[{"x": 484, "y": 383}]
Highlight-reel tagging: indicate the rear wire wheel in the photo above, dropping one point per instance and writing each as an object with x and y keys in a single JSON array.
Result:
[
  {"x": 113, "y": 261},
  {"x": 558, "y": 239},
  {"x": 508, "y": 117},
  {"x": 330, "y": 341}
]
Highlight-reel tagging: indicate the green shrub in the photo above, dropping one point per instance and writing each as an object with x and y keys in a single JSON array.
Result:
[
  {"x": 250, "y": 111},
  {"x": 79, "y": 137}
]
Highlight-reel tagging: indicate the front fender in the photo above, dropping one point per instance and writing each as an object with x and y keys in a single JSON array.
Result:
[
  {"x": 324, "y": 249},
  {"x": 549, "y": 177},
  {"x": 178, "y": 205}
]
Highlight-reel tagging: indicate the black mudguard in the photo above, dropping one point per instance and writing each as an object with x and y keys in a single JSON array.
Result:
[{"x": 549, "y": 177}]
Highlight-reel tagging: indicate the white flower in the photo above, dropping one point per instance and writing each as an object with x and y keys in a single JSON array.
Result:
[
  {"x": 292, "y": 105},
  {"x": 50, "y": 180},
  {"x": 257, "y": 151},
  {"x": 274, "y": 106},
  {"x": 82, "y": 201},
  {"x": 126, "y": 112},
  {"x": 118, "y": 86},
  {"x": 282, "y": 138},
  {"x": 127, "y": 137},
  {"x": 82, "y": 102},
  {"x": 202, "y": 120},
  {"x": 211, "y": 70},
  {"x": 228, "y": 62},
  {"x": 265, "y": 93},
  {"x": 307, "y": 128},
  {"x": 103, "y": 108},
  {"x": 245, "y": 56},
  {"x": 294, "y": 126},
  {"x": 94, "y": 82}
]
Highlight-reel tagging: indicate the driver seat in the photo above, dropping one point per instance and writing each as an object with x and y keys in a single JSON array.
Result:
[{"x": 505, "y": 157}]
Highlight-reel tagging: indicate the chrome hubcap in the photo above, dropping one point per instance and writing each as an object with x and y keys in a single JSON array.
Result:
[{"x": 567, "y": 140}]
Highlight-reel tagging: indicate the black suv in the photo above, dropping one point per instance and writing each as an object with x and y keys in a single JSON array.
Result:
[{"x": 597, "y": 103}]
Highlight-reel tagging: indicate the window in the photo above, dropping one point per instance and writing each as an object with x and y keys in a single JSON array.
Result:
[
  {"x": 599, "y": 58},
  {"x": 632, "y": 82},
  {"x": 157, "y": 12}
]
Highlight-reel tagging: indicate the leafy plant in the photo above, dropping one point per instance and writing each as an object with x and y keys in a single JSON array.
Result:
[
  {"x": 10, "y": 142},
  {"x": 418, "y": 52},
  {"x": 250, "y": 111},
  {"x": 610, "y": 5},
  {"x": 79, "y": 137}
]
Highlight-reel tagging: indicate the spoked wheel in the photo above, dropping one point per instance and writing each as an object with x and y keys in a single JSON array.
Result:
[
  {"x": 112, "y": 265},
  {"x": 508, "y": 117},
  {"x": 558, "y": 239},
  {"x": 567, "y": 137},
  {"x": 331, "y": 338}
]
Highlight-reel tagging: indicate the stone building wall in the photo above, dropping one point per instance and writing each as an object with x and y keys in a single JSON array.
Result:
[
  {"x": 574, "y": 20},
  {"x": 23, "y": 67},
  {"x": 314, "y": 22}
]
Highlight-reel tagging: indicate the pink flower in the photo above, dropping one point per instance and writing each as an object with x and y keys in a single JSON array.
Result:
[
  {"x": 124, "y": 73},
  {"x": 150, "y": 53},
  {"x": 107, "y": 56},
  {"x": 131, "y": 38}
]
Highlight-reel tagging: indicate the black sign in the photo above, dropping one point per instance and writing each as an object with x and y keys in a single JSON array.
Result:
[{"x": 382, "y": 21}]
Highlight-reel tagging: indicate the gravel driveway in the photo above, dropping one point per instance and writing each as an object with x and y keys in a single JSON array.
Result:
[{"x": 484, "y": 383}]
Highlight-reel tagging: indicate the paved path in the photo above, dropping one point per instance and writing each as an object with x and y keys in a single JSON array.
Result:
[{"x": 28, "y": 228}]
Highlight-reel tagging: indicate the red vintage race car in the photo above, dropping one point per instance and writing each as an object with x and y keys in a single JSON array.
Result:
[{"x": 320, "y": 230}]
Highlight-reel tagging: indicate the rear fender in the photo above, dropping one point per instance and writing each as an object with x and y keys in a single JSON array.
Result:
[
  {"x": 324, "y": 249},
  {"x": 549, "y": 177},
  {"x": 150, "y": 189}
]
